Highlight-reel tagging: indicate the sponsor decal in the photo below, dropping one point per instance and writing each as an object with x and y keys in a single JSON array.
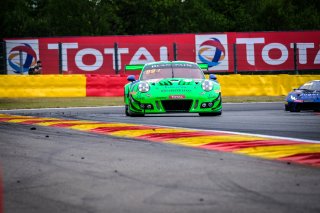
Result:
[
  {"x": 212, "y": 50},
  {"x": 75, "y": 55},
  {"x": 177, "y": 90},
  {"x": 21, "y": 55},
  {"x": 308, "y": 84},
  {"x": 177, "y": 97},
  {"x": 293, "y": 97}
]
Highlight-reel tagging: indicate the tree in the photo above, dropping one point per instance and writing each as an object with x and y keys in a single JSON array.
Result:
[{"x": 43, "y": 18}]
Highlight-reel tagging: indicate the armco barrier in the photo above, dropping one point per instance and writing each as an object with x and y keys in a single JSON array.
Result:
[
  {"x": 232, "y": 85},
  {"x": 105, "y": 85},
  {"x": 108, "y": 85},
  {"x": 258, "y": 85},
  {"x": 15, "y": 86}
]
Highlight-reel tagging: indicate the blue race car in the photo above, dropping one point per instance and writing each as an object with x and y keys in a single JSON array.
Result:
[{"x": 306, "y": 97}]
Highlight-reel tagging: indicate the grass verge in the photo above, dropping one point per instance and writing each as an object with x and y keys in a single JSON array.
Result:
[{"x": 30, "y": 103}]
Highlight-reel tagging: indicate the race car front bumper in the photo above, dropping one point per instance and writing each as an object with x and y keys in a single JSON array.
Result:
[{"x": 176, "y": 105}]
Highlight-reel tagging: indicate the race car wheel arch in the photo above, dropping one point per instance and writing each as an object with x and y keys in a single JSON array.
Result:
[
  {"x": 294, "y": 107},
  {"x": 286, "y": 107},
  {"x": 128, "y": 112},
  {"x": 126, "y": 95}
]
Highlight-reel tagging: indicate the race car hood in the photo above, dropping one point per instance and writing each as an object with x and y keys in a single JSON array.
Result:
[
  {"x": 176, "y": 85},
  {"x": 174, "y": 81}
]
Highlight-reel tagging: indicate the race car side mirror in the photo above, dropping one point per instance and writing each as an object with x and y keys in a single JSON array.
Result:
[
  {"x": 131, "y": 78},
  {"x": 213, "y": 77}
]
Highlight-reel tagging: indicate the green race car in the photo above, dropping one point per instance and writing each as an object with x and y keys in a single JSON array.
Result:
[{"x": 172, "y": 87}]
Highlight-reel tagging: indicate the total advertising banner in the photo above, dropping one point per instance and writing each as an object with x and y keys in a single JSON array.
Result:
[
  {"x": 213, "y": 50},
  {"x": 223, "y": 52},
  {"x": 277, "y": 50},
  {"x": 21, "y": 55}
]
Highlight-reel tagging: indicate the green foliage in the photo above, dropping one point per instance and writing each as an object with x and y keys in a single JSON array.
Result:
[{"x": 36, "y": 18}]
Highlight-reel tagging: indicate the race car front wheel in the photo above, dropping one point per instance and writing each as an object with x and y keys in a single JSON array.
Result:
[
  {"x": 294, "y": 107},
  {"x": 286, "y": 107},
  {"x": 127, "y": 110},
  {"x": 130, "y": 113}
]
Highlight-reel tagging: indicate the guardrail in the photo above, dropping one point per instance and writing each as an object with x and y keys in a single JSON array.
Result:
[
  {"x": 15, "y": 86},
  {"x": 18, "y": 86}
]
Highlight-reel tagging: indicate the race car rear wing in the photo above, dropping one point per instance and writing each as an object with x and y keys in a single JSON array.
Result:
[
  {"x": 203, "y": 66},
  {"x": 133, "y": 67},
  {"x": 138, "y": 67}
]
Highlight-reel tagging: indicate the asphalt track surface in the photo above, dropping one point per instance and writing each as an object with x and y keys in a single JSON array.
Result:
[{"x": 47, "y": 169}]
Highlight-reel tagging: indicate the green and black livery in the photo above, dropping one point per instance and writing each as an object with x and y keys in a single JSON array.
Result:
[{"x": 172, "y": 87}]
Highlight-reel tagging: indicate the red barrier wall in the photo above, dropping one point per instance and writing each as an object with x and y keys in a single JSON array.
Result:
[
  {"x": 231, "y": 85},
  {"x": 105, "y": 85}
]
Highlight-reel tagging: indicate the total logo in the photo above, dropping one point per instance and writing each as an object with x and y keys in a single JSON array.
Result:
[
  {"x": 21, "y": 55},
  {"x": 177, "y": 97},
  {"x": 214, "y": 46},
  {"x": 141, "y": 56},
  {"x": 212, "y": 50}
]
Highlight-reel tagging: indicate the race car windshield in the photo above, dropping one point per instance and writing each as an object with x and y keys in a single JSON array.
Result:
[
  {"x": 312, "y": 85},
  {"x": 159, "y": 71}
]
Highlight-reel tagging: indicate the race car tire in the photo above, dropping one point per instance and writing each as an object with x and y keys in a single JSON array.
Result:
[
  {"x": 286, "y": 107},
  {"x": 210, "y": 114},
  {"x": 294, "y": 108},
  {"x": 127, "y": 110}
]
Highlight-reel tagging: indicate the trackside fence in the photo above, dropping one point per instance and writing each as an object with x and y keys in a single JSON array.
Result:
[
  {"x": 225, "y": 53},
  {"x": 295, "y": 64},
  {"x": 3, "y": 67}
]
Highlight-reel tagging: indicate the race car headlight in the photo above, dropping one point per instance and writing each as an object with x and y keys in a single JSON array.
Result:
[
  {"x": 207, "y": 85},
  {"x": 144, "y": 87}
]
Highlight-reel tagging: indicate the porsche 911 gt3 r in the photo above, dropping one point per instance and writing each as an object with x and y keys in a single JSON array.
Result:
[
  {"x": 306, "y": 97},
  {"x": 172, "y": 87}
]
